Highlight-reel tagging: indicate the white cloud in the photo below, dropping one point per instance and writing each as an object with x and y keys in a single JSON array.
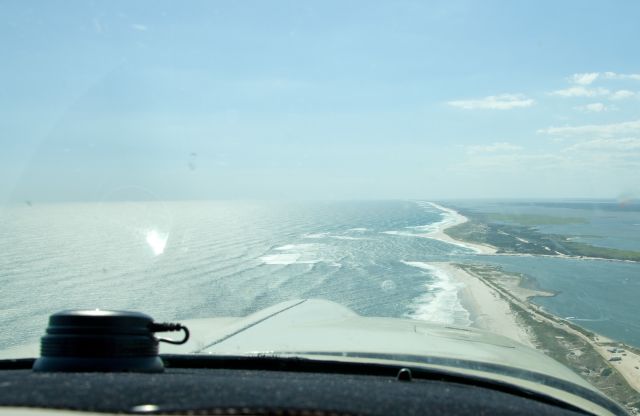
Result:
[
  {"x": 606, "y": 155},
  {"x": 593, "y": 108},
  {"x": 581, "y": 91},
  {"x": 614, "y": 75},
  {"x": 621, "y": 95},
  {"x": 597, "y": 130},
  {"x": 497, "y": 147},
  {"x": 603, "y": 155},
  {"x": 494, "y": 102},
  {"x": 629, "y": 144},
  {"x": 515, "y": 162},
  {"x": 139, "y": 27},
  {"x": 584, "y": 79}
]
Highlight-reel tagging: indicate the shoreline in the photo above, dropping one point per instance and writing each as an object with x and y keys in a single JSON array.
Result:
[
  {"x": 456, "y": 219},
  {"x": 487, "y": 310},
  {"x": 488, "y": 249},
  {"x": 498, "y": 304}
]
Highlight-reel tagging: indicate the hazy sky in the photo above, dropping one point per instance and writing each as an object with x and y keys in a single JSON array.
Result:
[{"x": 319, "y": 99}]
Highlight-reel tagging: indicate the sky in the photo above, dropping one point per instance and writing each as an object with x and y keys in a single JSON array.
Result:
[{"x": 112, "y": 100}]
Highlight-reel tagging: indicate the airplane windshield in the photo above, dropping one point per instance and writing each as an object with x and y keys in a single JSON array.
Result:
[{"x": 468, "y": 164}]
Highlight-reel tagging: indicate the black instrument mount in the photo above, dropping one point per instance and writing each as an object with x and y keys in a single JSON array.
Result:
[{"x": 103, "y": 341}]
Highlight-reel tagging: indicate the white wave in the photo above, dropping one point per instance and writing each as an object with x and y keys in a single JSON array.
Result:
[
  {"x": 448, "y": 219},
  {"x": 429, "y": 236},
  {"x": 358, "y": 229},
  {"x": 295, "y": 254},
  {"x": 435, "y": 231},
  {"x": 441, "y": 302},
  {"x": 404, "y": 233},
  {"x": 287, "y": 259},
  {"x": 329, "y": 235},
  {"x": 449, "y": 216},
  {"x": 316, "y": 235},
  {"x": 288, "y": 247},
  {"x": 428, "y": 227},
  {"x": 573, "y": 318}
]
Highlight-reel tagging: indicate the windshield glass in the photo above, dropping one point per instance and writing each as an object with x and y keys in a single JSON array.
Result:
[{"x": 474, "y": 164}]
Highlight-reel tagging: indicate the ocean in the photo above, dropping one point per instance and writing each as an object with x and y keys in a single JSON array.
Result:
[{"x": 183, "y": 260}]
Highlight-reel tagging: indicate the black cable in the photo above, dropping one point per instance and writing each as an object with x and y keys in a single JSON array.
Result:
[{"x": 170, "y": 327}]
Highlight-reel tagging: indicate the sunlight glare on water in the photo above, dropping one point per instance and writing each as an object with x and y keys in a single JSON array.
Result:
[{"x": 157, "y": 241}]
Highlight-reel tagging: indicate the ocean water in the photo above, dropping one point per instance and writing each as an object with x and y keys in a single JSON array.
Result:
[{"x": 181, "y": 260}]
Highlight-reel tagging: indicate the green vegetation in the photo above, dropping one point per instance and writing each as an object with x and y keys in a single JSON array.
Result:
[
  {"x": 580, "y": 356},
  {"x": 527, "y": 239},
  {"x": 587, "y": 250},
  {"x": 529, "y": 219},
  {"x": 553, "y": 337},
  {"x": 562, "y": 340}
]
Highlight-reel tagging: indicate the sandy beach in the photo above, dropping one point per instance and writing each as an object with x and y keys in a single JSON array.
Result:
[
  {"x": 453, "y": 218},
  {"x": 490, "y": 302},
  {"x": 488, "y": 310},
  {"x": 629, "y": 364},
  {"x": 490, "y": 306}
]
